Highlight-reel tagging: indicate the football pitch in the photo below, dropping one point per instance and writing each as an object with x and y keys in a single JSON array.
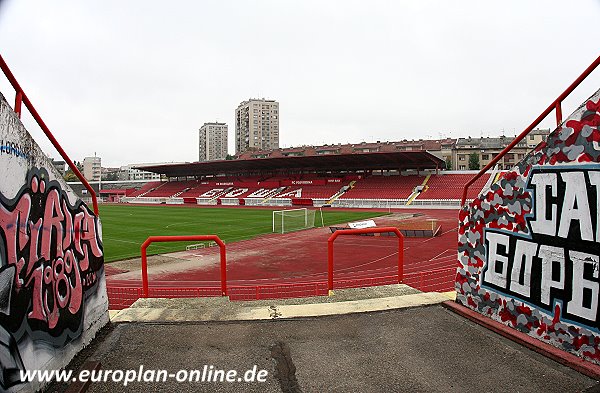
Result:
[{"x": 125, "y": 227}]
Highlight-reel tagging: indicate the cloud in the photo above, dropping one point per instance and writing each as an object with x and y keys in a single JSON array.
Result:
[{"x": 133, "y": 81}]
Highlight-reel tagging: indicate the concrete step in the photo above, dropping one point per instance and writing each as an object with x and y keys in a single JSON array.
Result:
[{"x": 346, "y": 301}]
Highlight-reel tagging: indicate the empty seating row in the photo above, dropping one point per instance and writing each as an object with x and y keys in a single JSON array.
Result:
[
  {"x": 145, "y": 188},
  {"x": 451, "y": 186},
  {"x": 169, "y": 189},
  {"x": 384, "y": 187},
  {"x": 311, "y": 191}
]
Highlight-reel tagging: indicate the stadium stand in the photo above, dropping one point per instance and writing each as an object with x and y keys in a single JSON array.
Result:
[
  {"x": 196, "y": 190},
  {"x": 145, "y": 189},
  {"x": 384, "y": 187},
  {"x": 169, "y": 189},
  {"x": 450, "y": 187},
  {"x": 312, "y": 190}
]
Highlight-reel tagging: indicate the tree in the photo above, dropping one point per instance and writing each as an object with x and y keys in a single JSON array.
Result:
[
  {"x": 70, "y": 176},
  {"x": 449, "y": 163},
  {"x": 111, "y": 176},
  {"x": 229, "y": 157},
  {"x": 473, "y": 161}
]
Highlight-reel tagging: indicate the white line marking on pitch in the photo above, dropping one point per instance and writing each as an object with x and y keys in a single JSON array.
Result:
[{"x": 440, "y": 254}]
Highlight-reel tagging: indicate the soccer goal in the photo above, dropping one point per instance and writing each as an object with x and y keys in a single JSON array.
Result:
[{"x": 293, "y": 220}]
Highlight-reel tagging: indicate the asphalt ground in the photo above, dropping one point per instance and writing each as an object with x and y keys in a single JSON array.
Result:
[{"x": 422, "y": 349}]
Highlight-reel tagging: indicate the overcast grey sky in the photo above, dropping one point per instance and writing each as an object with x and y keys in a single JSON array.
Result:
[{"x": 134, "y": 80}]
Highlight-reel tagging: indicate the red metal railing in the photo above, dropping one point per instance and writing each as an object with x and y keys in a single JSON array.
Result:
[
  {"x": 555, "y": 105},
  {"x": 21, "y": 98},
  {"x": 437, "y": 280},
  {"x": 363, "y": 231},
  {"x": 154, "y": 239}
]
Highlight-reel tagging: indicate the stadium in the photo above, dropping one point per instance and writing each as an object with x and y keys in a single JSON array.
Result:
[
  {"x": 356, "y": 256},
  {"x": 276, "y": 215}
]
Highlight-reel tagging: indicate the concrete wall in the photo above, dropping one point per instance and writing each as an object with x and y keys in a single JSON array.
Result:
[
  {"x": 528, "y": 248},
  {"x": 52, "y": 290}
]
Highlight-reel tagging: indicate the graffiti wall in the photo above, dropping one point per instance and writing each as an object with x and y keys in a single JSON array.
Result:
[
  {"x": 529, "y": 247},
  {"x": 52, "y": 290}
]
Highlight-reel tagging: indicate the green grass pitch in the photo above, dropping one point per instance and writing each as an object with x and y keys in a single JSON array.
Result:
[{"x": 125, "y": 227}]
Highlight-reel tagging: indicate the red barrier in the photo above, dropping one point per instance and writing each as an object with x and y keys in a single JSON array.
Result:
[
  {"x": 363, "y": 231},
  {"x": 20, "y": 98},
  {"x": 302, "y": 202},
  {"x": 153, "y": 239},
  {"x": 437, "y": 280},
  {"x": 556, "y": 105}
]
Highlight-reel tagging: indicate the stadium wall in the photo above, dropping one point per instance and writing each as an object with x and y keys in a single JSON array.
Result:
[
  {"x": 53, "y": 295},
  {"x": 528, "y": 248}
]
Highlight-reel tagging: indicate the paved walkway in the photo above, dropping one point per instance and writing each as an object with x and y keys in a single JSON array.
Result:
[
  {"x": 420, "y": 349},
  {"x": 345, "y": 301}
]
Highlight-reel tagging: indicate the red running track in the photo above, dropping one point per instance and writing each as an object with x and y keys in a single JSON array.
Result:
[{"x": 295, "y": 265}]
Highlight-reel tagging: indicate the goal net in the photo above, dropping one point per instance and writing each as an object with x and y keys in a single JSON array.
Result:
[{"x": 293, "y": 220}]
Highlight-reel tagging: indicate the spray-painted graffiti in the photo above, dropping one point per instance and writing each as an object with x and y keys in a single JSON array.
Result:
[
  {"x": 558, "y": 261},
  {"x": 53, "y": 297},
  {"x": 528, "y": 246},
  {"x": 11, "y": 364},
  {"x": 56, "y": 252},
  {"x": 11, "y": 148}
]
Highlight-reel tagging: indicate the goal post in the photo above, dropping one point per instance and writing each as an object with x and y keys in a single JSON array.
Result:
[{"x": 293, "y": 220}]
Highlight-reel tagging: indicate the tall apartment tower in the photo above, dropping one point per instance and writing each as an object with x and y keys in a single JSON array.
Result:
[
  {"x": 213, "y": 142},
  {"x": 92, "y": 168},
  {"x": 257, "y": 125}
]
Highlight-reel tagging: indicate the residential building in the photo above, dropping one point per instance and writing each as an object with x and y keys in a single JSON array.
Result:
[
  {"x": 536, "y": 136},
  {"x": 110, "y": 174},
  {"x": 454, "y": 152},
  {"x": 137, "y": 172},
  {"x": 256, "y": 125},
  {"x": 129, "y": 172},
  {"x": 59, "y": 165},
  {"x": 487, "y": 148},
  {"x": 92, "y": 168},
  {"x": 441, "y": 148},
  {"x": 212, "y": 142}
]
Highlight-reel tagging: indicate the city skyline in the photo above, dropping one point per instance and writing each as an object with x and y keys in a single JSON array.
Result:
[
  {"x": 454, "y": 152},
  {"x": 412, "y": 70}
]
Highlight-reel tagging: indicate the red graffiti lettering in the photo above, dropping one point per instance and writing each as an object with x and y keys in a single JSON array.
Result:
[
  {"x": 56, "y": 249},
  {"x": 14, "y": 226},
  {"x": 53, "y": 220}
]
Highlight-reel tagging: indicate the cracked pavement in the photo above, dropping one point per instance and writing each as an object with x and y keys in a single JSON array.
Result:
[{"x": 424, "y": 349}]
